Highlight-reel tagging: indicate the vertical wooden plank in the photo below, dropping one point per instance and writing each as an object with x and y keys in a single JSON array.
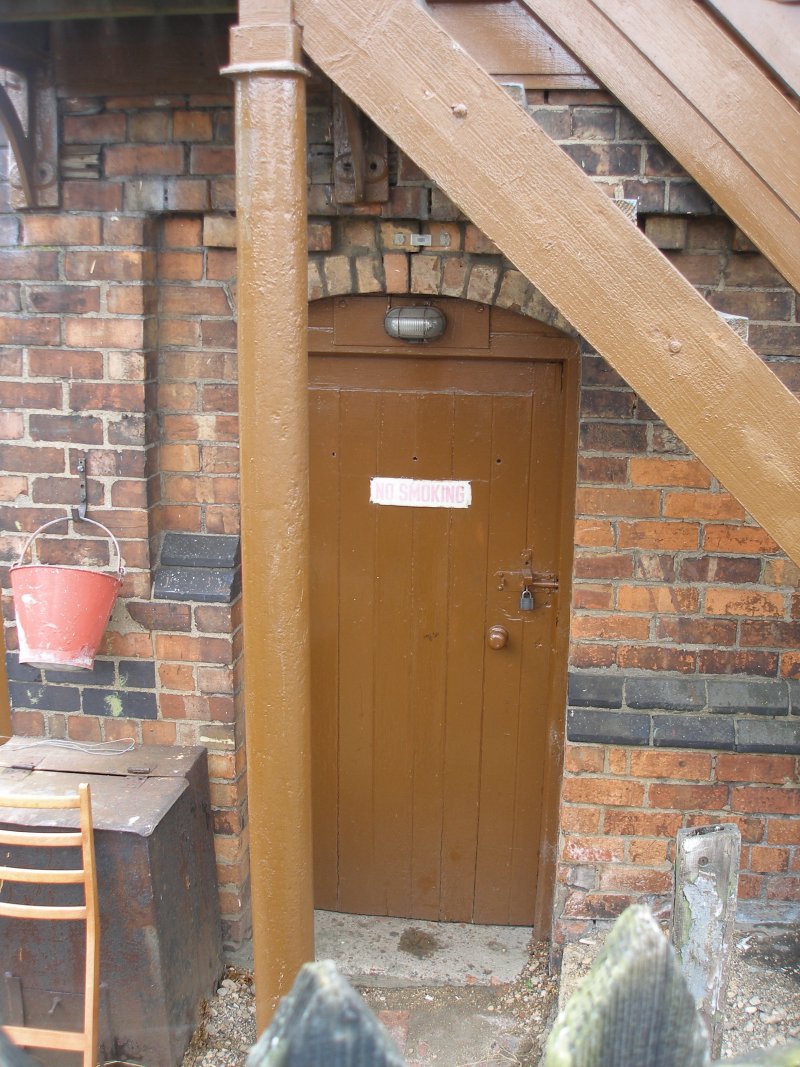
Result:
[
  {"x": 394, "y": 752},
  {"x": 465, "y": 650},
  {"x": 324, "y": 492},
  {"x": 511, "y": 434},
  {"x": 360, "y": 412},
  {"x": 538, "y": 626},
  {"x": 430, "y": 595}
]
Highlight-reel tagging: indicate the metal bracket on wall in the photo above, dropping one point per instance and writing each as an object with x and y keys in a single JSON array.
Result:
[
  {"x": 360, "y": 155},
  {"x": 28, "y": 115},
  {"x": 83, "y": 496}
]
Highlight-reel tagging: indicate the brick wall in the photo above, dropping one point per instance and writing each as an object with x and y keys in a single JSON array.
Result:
[{"x": 117, "y": 320}]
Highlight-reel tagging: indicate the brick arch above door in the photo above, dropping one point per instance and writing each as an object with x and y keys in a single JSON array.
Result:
[{"x": 362, "y": 260}]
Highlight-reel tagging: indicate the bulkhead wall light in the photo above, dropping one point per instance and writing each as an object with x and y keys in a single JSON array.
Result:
[{"x": 415, "y": 324}]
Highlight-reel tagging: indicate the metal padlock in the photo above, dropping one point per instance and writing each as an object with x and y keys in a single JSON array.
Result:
[{"x": 526, "y": 600}]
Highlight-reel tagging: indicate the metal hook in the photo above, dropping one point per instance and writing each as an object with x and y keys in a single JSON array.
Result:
[{"x": 80, "y": 511}]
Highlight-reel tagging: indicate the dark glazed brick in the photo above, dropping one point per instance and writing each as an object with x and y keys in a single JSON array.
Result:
[
  {"x": 208, "y": 585},
  {"x": 693, "y": 731},
  {"x": 730, "y": 695},
  {"x": 666, "y": 694},
  {"x": 794, "y": 697},
  {"x": 21, "y": 672},
  {"x": 102, "y": 673},
  {"x": 686, "y": 198},
  {"x": 200, "y": 550},
  {"x": 603, "y": 160},
  {"x": 45, "y": 697},
  {"x": 768, "y": 735},
  {"x": 119, "y": 704},
  {"x": 137, "y": 674},
  {"x": 608, "y": 727},
  {"x": 595, "y": 690}
]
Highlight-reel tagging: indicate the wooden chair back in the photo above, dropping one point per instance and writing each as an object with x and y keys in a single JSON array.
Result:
[{"x": 84, "y": 1041}]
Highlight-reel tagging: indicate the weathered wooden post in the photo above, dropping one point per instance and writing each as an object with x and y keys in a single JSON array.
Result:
[
  {"x": 633, "y": 1009},
  {"x": 706, "y": 877},
  {"x": 323, "y": 1022}
]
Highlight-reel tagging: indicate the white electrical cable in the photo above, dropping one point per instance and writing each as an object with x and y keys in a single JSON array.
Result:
[{"x": 108, "y": 748}]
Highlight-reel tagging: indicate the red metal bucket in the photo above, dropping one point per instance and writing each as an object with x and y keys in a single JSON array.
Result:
[{"x": 62, "y": 612}]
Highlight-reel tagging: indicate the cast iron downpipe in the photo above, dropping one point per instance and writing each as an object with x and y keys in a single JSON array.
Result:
[{"x": 273, "y": 412}]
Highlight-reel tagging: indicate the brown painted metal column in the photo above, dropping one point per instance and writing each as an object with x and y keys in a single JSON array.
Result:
[{"x": 273, "y": 410}]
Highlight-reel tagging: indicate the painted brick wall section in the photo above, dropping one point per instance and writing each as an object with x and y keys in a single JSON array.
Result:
[{"x": 117, "y": 326}]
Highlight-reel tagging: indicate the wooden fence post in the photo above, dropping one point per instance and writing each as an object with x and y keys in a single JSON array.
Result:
[{"x": 706, "y": 876}]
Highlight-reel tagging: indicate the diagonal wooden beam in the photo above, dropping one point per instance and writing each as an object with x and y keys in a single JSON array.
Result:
[
  {"x": 568, "y": 238},
  {"x": 771, "y": 31},
  {"x": 705, "y": 100}
]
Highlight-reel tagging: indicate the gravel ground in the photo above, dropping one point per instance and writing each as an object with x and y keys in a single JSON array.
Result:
[{"x": 763, "y": 1005}]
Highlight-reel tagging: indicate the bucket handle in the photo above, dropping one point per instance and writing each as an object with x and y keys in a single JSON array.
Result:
[{"x": 66, "y": 518}]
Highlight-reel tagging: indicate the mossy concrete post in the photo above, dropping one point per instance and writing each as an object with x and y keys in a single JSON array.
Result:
[{"x": 706, "y": 877}]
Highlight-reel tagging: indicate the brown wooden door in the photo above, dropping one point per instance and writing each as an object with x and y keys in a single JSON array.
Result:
[{"x": 432, "y": 750}]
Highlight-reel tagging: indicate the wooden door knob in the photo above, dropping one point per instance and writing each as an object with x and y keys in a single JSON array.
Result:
[{"x": 498, "y": 637}]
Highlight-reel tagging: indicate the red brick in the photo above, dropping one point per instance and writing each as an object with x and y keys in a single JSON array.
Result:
[
  {"x": 750, "y": 886},
  {"x": 592, "y": 655},
  {"x": 608, "y": 403},
  {"x": 156, "y": 732},
  {"x": 601, "y": 791},
  {"x": 106, "y": 397},
  {"x": 193, "y": 649},
  {"x": 192, "y": 126},
  {"x": 220, "y": 265},
  {"x": 783, "y": 831},
  {"x": 597, "y": 905},
  {"x": 650, "y": 763},
  {"x": 12, "y": 425},
  {"x": 154, "y": 616},
  {"x": 679, "y": 536},
  {"x": 187, "y": 194},
  {"x": 181, "y": 266},
  {"x": 618, "y": 761},
  {"x": 592, "y": 597},
  {"x": 60, "y": 230},
  {"x": 766, "y": 800},
  {"x": 104, "y": 333},
  {"x": 75, "y": 429},
  {"x": 744, "y": 602},
  {"x": 213, "y": 618},
  {"x": 663, "y": 599},
  {"x": 133, "y": 160},
  {"x": 738, "y": 539},
  {"x": 29, "y": 331},
  {"x": 94, "y": 129},
  {"x": 83, "y": 728},
  {"x": 118, "y": 265},
  {"x": 601, "y": 469},
  {"x": 12, "y": 486},
  {"x": 687, "y": 472},
  {"x": 579, "y": 760},
  {"x": 751, "y": 767},
  {"x": 61, "y": 363},
  {"x": 25, "y": 264},
  {"x": 30, "y": 395},
  {"x": 148, "y": 126},
  {"x": 652, "y": 658},
  {"x": 212, "y": 160},
  {"x": 631, "y": 502},
  {"x": 128, "y": 230},
  {"x": 32, "y": 460},
  {"x": 594, "y": 533},
  {"x": 610, "y": 627},
  {"x": 721, "y": 569},
  {"x": 729, "y": 661},
  {"x": 765, "y": 860},
  {"x": 783, "y": 889},
  {"x": 92, "y": 196},
  {"x": 593, "y": 849},
  {"x": 60, "y": 298},
  {"x": 699, "y": 505},
  {"x": 635, "y": 879},
  {"x": 27, "y": 723},
  {"x": 717, "y": 632},
  {"x": 603, "y": 565},
  {"x": 579, "y": 820},
  {"x": 648, "y": 853},
  {"x": 688, "y": 797},
  {"x": 613, "y": 437},
  {"x": 790, "y": 665}
]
